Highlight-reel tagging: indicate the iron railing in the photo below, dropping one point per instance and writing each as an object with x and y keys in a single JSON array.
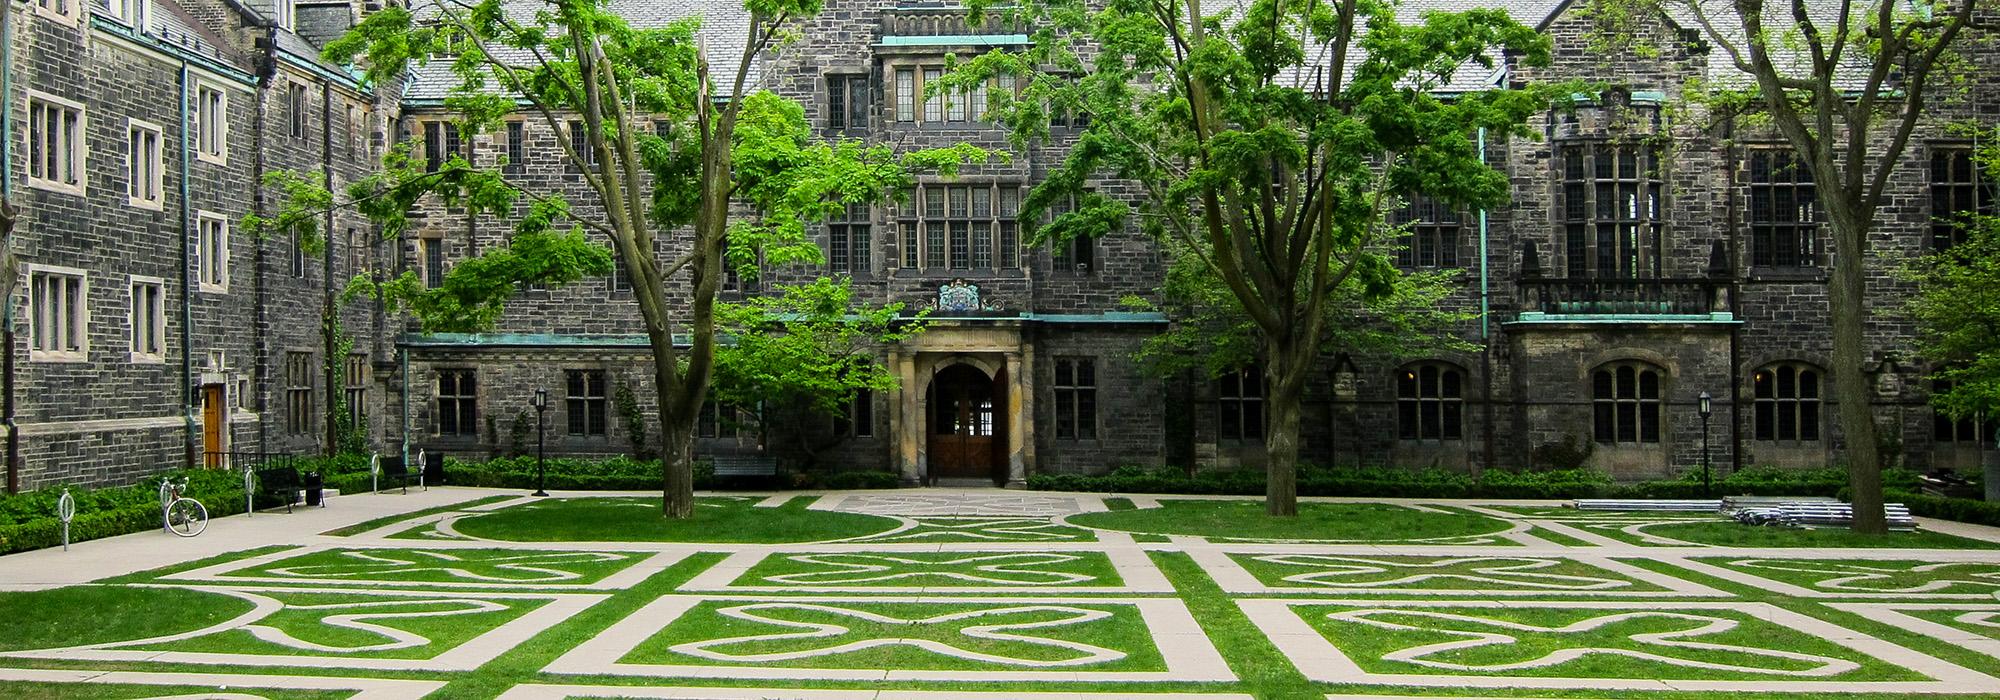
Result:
[{"x": 1624, "y": 296}]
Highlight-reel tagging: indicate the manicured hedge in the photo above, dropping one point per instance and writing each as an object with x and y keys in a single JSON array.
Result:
[
  {"x": 28, "y": 520},
  {"x": 605, "y": 474},
  {"x": 1963, "y": 510},
  {"x": 1434, "y": 483}
]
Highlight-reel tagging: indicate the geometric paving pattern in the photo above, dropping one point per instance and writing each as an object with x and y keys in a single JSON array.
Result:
[{"x": 991, "y": 588}]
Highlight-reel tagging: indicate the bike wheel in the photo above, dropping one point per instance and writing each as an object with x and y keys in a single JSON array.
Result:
[{"x": 186, "y": 517}]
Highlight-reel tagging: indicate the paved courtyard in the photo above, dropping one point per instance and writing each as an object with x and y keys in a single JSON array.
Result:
[{"x": 469, "y": 593}]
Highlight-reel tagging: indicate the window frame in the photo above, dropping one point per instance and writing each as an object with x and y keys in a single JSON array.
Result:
[
  {"x": 1648, "y": 412},
  {"x": 1582, "y": 224},
  {"x": 132, "y": 13},
  {"x": 155, "y": 183},
  {"x": 75, "y": 314},
  {"x": 856, "y": 419},
  {"x": 1074, "y": 396},
  {"x": 212, "y": 262},
  {"x": 74, "y": 146},
  {"x": 843, "y": 112},
  {"x": 155, "y": 315},
  {"x": 1765, "y": 233},
  {"x": 1946, "y": 431},
  {"x": 906, "y": 105},
  {"x": 517, "y": 147},
  {"x": 299, "y": 400},
  {"x": 355, "y": 389},
  {"x": 70, "y": 12},
  {"x": 1433, "y": 221},
  {"x": 1769, "y": 404},
  {"x": 1232, "y": 400},
  {"x": 1076, "y": 256},
  {"x": 296, "y": 104},
  {"x": 1946, "y": 228},
  {"x": 460, "y": 399},
  {"x": 588, "y": 409},
  {"x": 925, "y": 232},
  {"x": 850, "y": 241},
  {"x": 211, "y": 127},
  {"x": 1428, "y": 403},
  {"x": 429, "y": 255},
  {"x": 285, "y": 14}
]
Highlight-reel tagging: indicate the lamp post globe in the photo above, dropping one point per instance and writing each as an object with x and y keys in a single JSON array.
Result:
[
  {"x": 1705, "y": 405},
  {"x": 541, "y": 404}
]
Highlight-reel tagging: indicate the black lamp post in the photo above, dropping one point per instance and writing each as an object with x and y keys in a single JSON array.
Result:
[
  {"x": 1705, "y": 406},
  {"x": 541, "y": 404}
]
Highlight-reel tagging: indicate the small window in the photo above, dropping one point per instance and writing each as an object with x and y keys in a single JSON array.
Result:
[
  {"x": 298, "y": 251},
  {"x": 1079, "y": 253},
  {"x": 1787, "y": 397},
  {"x": 857, "y": 416},
  {"x": 441, "y": 143},
  {"x": 586, "y": 402},
  {"x": 295, "y": 103},
  {"x": 430, "y": 262},
  {"x": 719, "y": 421},
  {"x": 148, "y": 320},
  {"x": 356, "y": 374},
  {"x": 298, "y": 393},
  {"x": 458, "y": 402},
  {"x": 1625, "y": 399},
  {"x": 353, "y": 130},
  {"x": 1970, "y": 431},
  {"x": 847, "y": 102},
  {"x": 579, "y": 141},
  {"x": 1430, "y": 402},
  {"x": 58, "y": 315},
  {"x": 144, "y": 165},
  {"x": 64, "y": 10},
  {"x": 132, "y": 12},
  {"x": 517, "y": 148},
  {"x": 847, "y": 241},
  {"x": 1076, "y": 398},
  {"x": 55, "y": 144},
  {"x": 214, "y": 252},
  {"x": 284, "y": 13},
  {"x": 211, "y": 124},
  {"x": 1431, "y": 233},
  {"x": 1240, "y": 404},
  {"x": 1958, "y": 190}
]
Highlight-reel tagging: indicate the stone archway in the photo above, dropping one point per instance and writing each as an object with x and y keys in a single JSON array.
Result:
[{"x": 965, "y": 424}]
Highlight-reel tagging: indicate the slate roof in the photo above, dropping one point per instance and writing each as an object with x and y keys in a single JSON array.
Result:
[{"x": 725, "y": 28}]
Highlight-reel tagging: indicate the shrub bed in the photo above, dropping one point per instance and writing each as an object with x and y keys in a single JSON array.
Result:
[
  {"x": 28, "y": 520},
  {"x": 599, "y": 474},
  {"x": 1963, "y": 510},
  {"x": 1435, "y": 483}
]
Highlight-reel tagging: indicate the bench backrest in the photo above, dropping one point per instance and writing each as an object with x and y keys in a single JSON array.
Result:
[
  {"x": 744, "y": 465},
  {"x": 394, "y": 466},
  {"x": 278, "y": 478}
]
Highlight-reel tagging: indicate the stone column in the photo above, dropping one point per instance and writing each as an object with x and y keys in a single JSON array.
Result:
[
  {"x": 910, "y": 435},
  {"x": 1020, "y": 418}
]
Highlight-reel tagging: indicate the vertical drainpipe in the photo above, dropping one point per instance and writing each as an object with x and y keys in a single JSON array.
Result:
[
  {"x": 7, "y": 194},
  {"x": 187, "y": 281},
  {"x": 328, "y": 308},
  {"x": 1485, "y": 331},
  {"x": 1735, "y": 302}
]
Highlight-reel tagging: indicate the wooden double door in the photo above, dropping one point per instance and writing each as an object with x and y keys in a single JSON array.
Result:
[{"x": 968, "y": 424}]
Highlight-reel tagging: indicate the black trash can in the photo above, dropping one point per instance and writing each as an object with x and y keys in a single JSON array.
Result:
[
  {"x": 433, "y": 468},
  {"x": 315, "y": 489}
]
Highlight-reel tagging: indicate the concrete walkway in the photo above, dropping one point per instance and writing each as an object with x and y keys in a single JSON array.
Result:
[{"x": 140, "y": 551}]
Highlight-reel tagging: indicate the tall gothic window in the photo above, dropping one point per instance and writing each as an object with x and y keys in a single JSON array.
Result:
[
  {"x": 1433, "y": 229},
  {"x": 1430, "y": 402},
  {"x": 585, "y": 401},
  {"x": 1076, "y": 398},
  {"x": 1787, "y": 398},
  {"x": 1784, "y": 211},
  {"x": 847, "y": 241},
  {"x": 1611, "y": 210},
  {"x": 1957, "y": 190},
  {"x": 1625, "y": 402},
  {"x": 458, "y": 402}
]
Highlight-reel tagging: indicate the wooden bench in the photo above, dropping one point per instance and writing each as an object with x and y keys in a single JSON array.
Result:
[
  {"x": 280, "y": 481},
  {"x": 398, "y": 469},
  {"x": 737, "y": 466}
]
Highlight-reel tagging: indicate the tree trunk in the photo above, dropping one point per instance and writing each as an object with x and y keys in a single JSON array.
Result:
[
  {"x": 1850, "y": 384},
  {"x": 677, "y": 467},
  {"x": 1281, "y": 441}
]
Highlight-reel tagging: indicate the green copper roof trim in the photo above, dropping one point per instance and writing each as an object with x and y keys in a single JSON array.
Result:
[
  {"x": 204, "y": 61},
  {"x": 1532, "y": 317},
  {"x": 566, "y": 340},
  {"x": 957, "y": 40}
]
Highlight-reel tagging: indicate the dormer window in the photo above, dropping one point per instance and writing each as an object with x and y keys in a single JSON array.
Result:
[
  {"x": 284, "y": 13},
  {"x": 131, "y": 12}
]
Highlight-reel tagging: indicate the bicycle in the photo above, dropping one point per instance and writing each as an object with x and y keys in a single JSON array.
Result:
[{"x": 179, "y": 514}]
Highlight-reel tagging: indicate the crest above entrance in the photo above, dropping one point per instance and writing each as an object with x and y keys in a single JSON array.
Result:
[{"x": 960, "y": 296}]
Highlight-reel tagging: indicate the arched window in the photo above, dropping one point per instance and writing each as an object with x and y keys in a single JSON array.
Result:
[
  {"x": 1787, "y": 396},
  {"x": 1430, "y": 402},
  {"x": 1625, "y": 398}
]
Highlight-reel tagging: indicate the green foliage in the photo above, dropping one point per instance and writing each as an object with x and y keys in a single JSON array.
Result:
[
  {"x": 28, "y": 520},
  {"x": 1571, "y": 452},
  {"x": 627, "y": 404},
  {"x": 812, "y": 345},
  {"x": 1962, "y": 510},
  {"x": 1957, "y": 310},
  {"x": 1388, "y": 482}
]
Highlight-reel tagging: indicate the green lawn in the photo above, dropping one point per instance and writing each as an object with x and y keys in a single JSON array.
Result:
[
  {"x": 359, "y": 528},
  {"x": 112, "y": 691},
  {"x": 1424, "y": 573},
  {"x": 638, "y": 520},
  {"x": 1237, "y": 519},
  {"x": 447, "y": 566},
  {"x": 1732, "y": 534},
  {"x": 94, "y": 614},
  {"x": 953, "y": 569}
]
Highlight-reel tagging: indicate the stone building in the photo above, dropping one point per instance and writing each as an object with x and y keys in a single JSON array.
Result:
[{"x": 1651, "y": 253}]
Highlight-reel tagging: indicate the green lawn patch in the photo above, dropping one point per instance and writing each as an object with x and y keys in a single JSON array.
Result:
[
  {"x": 486, "y": 566},
  {"x": 1872, "y": 575},
  {"x": 88, "y": 614},
  {"x": 1726, "y": 533},
  {"x": 940, "y": 569},
  {"x": 716, "y": 519},
  {"x": 1113, "y": 628},
  {"x": 1558, "y": 642},
  {"x": 111, "y": 691},
  {"x": 359, "y": 528},
  {"x": 1242, "y": 519},
  {"x": 444, "y": 621},
  {"x": 1558, "y": 538},
  {"x": 1549, "y": 576}
]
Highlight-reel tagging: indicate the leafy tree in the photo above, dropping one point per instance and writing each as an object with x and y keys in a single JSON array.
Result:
[
  {"x": 1268, "y": 141},
  {"x": 1957, "y": 309},
  {"x": 1845, "y": 82},
  {"x": 807, "y": 352},
  {"x": 671, "y": 145}
]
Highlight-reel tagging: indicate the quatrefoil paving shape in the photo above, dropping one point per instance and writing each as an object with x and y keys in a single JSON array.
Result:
[
  {"x": 1251, "y": 570},
  {"x": 1974, "y": 626},
  {"x": 448, "y": 567},
  {"x": 1597, "y": 645},
  {"x": 962, "y": 570},
  {"x": 344, "y": 628},
  {"x": 878, "y": 638},
  {"x": 1864, "y": 578}
]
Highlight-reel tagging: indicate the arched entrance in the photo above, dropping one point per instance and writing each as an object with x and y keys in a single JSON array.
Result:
[{"x": 967, "y": 423}]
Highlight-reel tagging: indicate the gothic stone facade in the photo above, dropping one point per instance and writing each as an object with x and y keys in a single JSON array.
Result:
[{"x": 1650, "y": 254}]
